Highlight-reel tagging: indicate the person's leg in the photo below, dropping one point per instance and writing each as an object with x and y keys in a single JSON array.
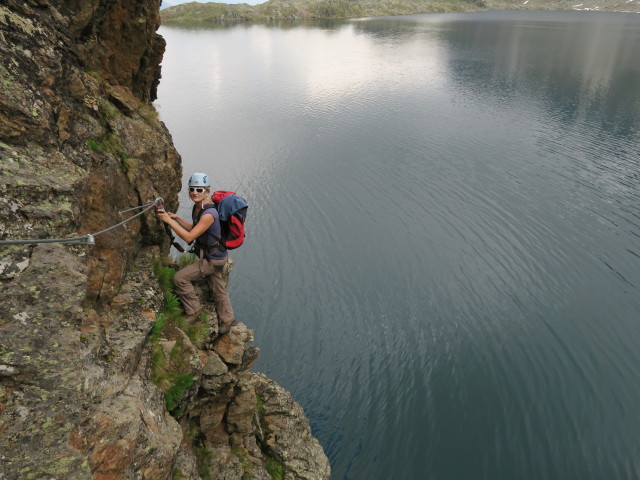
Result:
[
  {"x": 185, "y": 289},
  {"x": 219, "y": 291}
]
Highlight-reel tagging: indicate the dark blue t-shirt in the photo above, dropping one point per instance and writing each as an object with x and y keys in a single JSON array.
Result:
[{"x": 212, "y": 234}]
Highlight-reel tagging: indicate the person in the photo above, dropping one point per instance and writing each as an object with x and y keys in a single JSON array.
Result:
[{"x": 206, "y": 231}]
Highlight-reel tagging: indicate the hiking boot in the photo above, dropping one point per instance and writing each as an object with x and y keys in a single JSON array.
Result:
[
  {"x": 190, "y": 319},
  {"x": 222, "y": 329}
]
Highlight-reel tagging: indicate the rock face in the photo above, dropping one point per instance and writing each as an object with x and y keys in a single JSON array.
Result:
[{"x": 99, "y": 379}]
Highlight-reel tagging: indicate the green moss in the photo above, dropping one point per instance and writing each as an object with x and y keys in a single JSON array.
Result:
[
  {"x": 274, "y": 468},
  {"x": 95, "y": 146},
  {"x": 260, "y": 405},
  {"x": 48, "y": 423},
  {"x": 61, "y": 467},
  {"x": 177, "y": 474},
  {"x": 109, "y": 143}
]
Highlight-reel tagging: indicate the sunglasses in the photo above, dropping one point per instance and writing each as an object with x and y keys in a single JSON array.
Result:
[{"x": 197, "y": 190}]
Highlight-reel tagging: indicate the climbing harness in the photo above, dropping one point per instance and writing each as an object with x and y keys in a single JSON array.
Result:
[{"x": 88, "y": 239}]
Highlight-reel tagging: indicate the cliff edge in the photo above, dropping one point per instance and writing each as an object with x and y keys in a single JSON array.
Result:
[{"x": 99, "y": 376}]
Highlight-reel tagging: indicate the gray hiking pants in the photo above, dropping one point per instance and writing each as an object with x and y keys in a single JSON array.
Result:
[{"x": 212, "y": 271}]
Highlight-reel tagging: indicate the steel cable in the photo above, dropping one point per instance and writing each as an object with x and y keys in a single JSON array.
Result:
[{"x": 87, "y": 239}]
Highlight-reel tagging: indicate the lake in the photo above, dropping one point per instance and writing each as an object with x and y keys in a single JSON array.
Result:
[{"x": 442, "y": 260}]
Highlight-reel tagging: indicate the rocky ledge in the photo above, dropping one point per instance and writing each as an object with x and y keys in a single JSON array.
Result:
[{"x": 100, "y": 378}]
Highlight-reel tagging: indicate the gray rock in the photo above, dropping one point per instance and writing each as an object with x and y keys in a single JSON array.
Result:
[
  {"x": 287, "y": 434},
  {"x": 231, "y": 346},
  {"x": 214, "y": 366}
]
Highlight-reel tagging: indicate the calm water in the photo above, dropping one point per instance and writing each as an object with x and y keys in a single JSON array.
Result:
[{"x": 443, "y": 254}]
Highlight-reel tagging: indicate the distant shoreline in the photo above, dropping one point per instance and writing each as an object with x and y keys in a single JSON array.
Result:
[{"x": 296, "y": 10}]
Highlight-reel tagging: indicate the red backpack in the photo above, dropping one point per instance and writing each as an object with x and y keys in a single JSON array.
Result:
[{"x": 232, "y": 210}]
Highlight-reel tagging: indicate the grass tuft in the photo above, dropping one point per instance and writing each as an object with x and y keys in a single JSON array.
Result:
[
  {"x": 260, "y": 406},
  {"x": 274, "y": 468},
  {"x": 158, "y": 327},
  {"x": 164, "y": 275},
  {"x": 172, "y": 307},
  {"x": 187, "y": 259},
  {"x": 203, "y": 460},
  {"x": 175, "y": 393}
]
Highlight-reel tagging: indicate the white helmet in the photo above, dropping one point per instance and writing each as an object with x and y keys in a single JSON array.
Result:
[{"x": 199, "y": 180}]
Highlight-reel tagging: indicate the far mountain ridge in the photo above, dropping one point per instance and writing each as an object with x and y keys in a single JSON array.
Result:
[{"x": 340, "y": 9}]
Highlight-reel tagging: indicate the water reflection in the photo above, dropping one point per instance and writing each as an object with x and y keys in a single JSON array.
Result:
[{"x": 594, "y": 74}]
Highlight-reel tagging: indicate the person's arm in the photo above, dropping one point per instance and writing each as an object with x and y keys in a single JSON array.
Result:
[
  {"x": 187, "y": 235},
  {"x": 181, "y": 221}
]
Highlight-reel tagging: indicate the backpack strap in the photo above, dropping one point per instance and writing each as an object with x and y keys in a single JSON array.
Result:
[{"x": 212, "y": 242}]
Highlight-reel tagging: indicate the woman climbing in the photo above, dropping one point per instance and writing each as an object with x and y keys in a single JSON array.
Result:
[{"x": 205, "y": 230}]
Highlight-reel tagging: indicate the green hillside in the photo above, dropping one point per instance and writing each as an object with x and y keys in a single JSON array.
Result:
[{"x": 321, "y": 9}]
